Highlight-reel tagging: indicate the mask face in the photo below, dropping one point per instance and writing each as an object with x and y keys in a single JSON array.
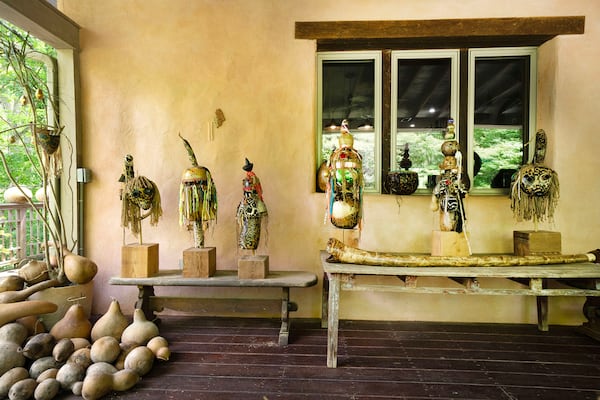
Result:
[{"x": 535, "y": 180}]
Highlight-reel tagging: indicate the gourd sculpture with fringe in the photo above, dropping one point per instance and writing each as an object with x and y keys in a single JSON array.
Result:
[
  {"x": 345, "y": 185},
  {"x": 251, "y": 210},
  {"x": 197, "y": 198},
  {"x": 535, "y": 189},
  {"x": 140, "y": 199}
]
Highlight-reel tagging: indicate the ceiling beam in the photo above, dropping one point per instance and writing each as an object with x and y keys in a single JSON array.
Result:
[{"x": 470, "y": 32}]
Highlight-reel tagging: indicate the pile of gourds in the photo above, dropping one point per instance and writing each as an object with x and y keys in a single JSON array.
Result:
[{"x": 90, "y": 360}]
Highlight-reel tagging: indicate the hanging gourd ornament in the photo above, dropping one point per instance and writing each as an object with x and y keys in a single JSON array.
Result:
[
  {"x": 345, "y": 186},
  {"x": 197, "y": 198}
]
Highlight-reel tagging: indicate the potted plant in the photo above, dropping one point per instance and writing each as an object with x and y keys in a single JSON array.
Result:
[{"x": 40, "y": 139}]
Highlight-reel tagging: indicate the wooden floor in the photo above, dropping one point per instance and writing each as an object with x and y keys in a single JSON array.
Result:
[{"x": 234, "y": 359}]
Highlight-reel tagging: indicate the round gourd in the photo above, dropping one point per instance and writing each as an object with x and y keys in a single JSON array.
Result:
[
  {"x": 81, "y": 357},
  {"x": 11, "y": 377},
  {"x": 12, "y": 336},
  {"x": 79, "y": 269},
  {"x": 47, "y": 389},
  {"x": 22, "y": 390},
  {"x": 105, "y": 349},
  {"x": 14, "y": 195},
  {"x": 68, "y": 374},
  {"x": 101, "y": 368},
  {"x": 96, "y": 385},
  {"x": 140, "y": 360},
  {"x": 11, "y": 282}
]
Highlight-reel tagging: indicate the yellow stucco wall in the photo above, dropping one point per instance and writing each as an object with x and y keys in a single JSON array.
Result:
[{"x": 154, "y": 68}]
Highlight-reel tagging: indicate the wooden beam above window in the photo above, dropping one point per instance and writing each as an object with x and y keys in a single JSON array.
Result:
[{"x": 440, "y": 33}]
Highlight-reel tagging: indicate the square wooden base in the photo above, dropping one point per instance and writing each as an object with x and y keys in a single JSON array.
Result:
[
  {"x": 536, "y": 243},
  {"x": 253, "y": 267},
  {"x": 199, "y": 262},
  {"x": 449, "y": 243},
  {"x": 139, "y": 260}
]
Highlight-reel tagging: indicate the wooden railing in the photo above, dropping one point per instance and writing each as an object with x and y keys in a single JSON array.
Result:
[{"x": 21, "y": 233}]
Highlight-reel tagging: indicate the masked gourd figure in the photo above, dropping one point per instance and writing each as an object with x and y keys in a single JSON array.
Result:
[
  {"x": 345, "y": 186},
  {"x": 197, "y": 198},
  {"x": 535, "y": 188},
  {"x": 251, "y": 210},
  {"x": 140, "y": 199}
]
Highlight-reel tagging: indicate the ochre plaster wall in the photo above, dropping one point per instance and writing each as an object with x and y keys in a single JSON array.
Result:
[{"x": 152, "y": 69}]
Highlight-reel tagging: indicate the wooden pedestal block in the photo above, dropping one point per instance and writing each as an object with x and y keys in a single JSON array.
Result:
[
  {"x": 533, "y": 243},
  {"x": 253, "y": 267},
  {"x": 199, "y": 262},
  {"x": 449, "y": 243},
  {"x": 139, "y": 260}
]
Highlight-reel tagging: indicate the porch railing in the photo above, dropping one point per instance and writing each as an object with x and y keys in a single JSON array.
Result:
[{"x": 21, "y": 234}]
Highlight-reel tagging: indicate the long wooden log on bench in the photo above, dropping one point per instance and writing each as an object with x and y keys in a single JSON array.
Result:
[{"x": 339, "y": 252}]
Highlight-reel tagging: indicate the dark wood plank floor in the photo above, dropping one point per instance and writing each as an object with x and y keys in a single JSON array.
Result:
[{"x": 218, "y": 358}]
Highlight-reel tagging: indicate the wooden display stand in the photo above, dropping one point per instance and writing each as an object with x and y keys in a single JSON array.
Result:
[
  {"x": 199, "y": 262},
  {"x": 253, "y": 267},
  {"x": 449, "y": 243},
  {"x": 139, "y": 260},
  {"x": 532, "y": 243}
]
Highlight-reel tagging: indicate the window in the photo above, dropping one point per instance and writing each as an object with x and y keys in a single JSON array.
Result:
[
  {"x": 350, "y": 89},
  {"x": 489, "y": 93}
]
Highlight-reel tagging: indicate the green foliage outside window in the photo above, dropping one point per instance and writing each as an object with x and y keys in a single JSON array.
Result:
[{"x": 15, "y": 115}]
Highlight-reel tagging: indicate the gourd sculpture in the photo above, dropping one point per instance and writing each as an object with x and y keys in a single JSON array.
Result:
[
  {"x": 140, "y": 199},
  {"x": 197, "y": 198},
  {"x": 449, "y": 191},
  {"x": 345, "y": 185},
  {"x": 535, "y": 189},
  {"x": 251, "y": 210}
]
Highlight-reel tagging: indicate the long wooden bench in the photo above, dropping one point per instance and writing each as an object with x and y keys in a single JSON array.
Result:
[
  {"x": 150, "y": 303},
  {"x": 577, "y": 279}
]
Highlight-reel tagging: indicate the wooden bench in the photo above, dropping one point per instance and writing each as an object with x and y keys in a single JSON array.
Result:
[
  {"x": 150, "y": 303},
  {"x": 578, "y": 279}
]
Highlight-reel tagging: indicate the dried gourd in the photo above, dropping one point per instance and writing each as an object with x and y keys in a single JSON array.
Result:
[
  {"x": 79, "y": 269},
  {"x": 11, "y": 377},
  {"x": 47, "y": 389},
  {"x": 34, "y": 271},
  {"x": 160, "y": 347},
  {"x": 105, "y": 349},
  {"x": 74, "y": 324},
  {"x": 63, "y": 349},
  {"x": 12, "y": 336},
  {"x": 11, "y": 282},
  {"x": 38, "y": 346},
  {"x": 140, "y": 360},
  {"x": 141, "y": 330},
  {"x": 13, "y": 311},
  {"x": 112, "y": 323},
  {"x": 22, "y": 390}
]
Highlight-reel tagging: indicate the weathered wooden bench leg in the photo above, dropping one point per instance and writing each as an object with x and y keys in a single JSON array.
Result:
[
  {"x": 333, "y": 320},
  {"x": 286, "y": 307},
  {"x": 542, "y": 313},
  {"x": 325, "y": 301},
  {"x": 591, "y": 310},
  {"x": 143, "y": 301}
]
